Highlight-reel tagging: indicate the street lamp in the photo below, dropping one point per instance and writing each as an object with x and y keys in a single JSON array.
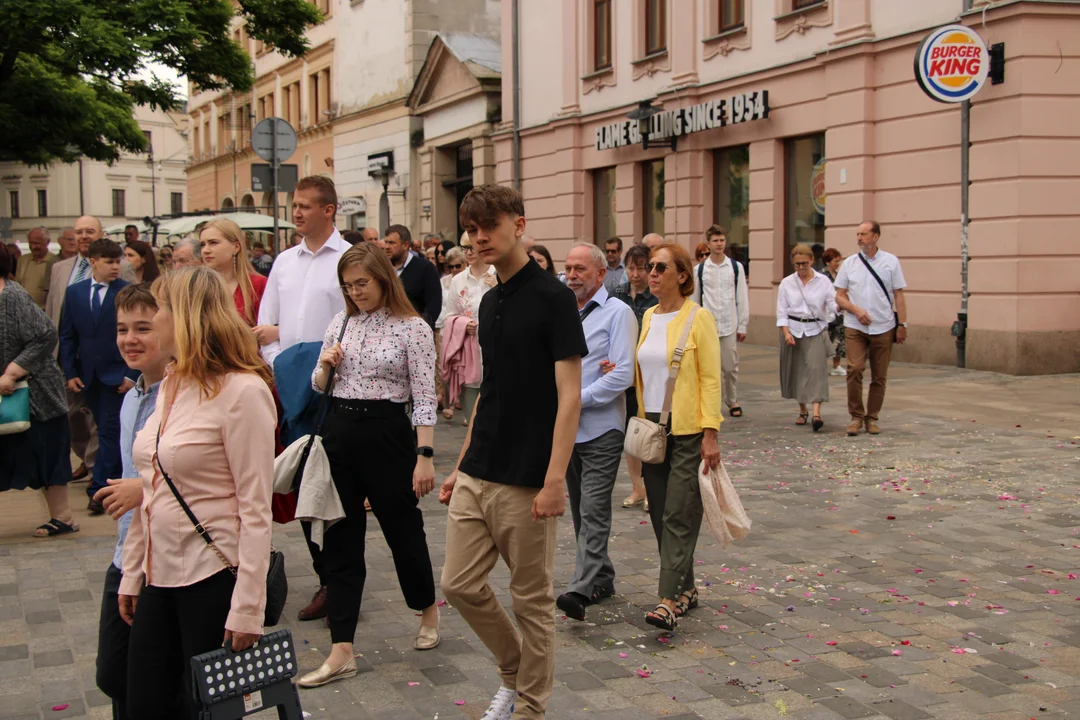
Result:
[{"x": 644, "y": 113}]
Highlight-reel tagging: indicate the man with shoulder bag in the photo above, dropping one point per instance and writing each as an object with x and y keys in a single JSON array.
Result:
[{"x": 870, "y": 291}]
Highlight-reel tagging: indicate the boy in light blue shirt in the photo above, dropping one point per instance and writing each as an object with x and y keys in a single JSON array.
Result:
[{"x": 141, "y": 349}]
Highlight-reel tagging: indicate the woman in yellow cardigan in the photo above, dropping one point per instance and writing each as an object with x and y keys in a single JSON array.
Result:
[{"x": 672, "y": 486}]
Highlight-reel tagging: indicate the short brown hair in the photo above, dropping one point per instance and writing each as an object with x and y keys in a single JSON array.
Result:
[
  {"x": 683, "y": 264},
  {"x": 323, "y": 187},
  {"x": 831, "y": 254},
  {"x": 616, "y": 240},
  {"x": 702, "y": 249},
  {"x": 105, "y": 248},
  {"x": 136, "y": 296},
  {"x": 715, "y": 229},
  {"x": 484, "y": 204}
]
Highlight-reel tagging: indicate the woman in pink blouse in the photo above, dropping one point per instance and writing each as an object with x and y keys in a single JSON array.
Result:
[
  {"x": 386, "y": 356},
  {"x": 213, "y": 434}
]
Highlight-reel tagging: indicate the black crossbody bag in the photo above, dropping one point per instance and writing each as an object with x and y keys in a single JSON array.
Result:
[
  {"x": 896, "y": 316},
  {"x": 277, "y": 584}
]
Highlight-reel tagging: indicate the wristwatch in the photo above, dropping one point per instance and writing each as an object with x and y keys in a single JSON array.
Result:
[
  {"x": 425, "y": 451},
  {"x": 903, "y": 325}
]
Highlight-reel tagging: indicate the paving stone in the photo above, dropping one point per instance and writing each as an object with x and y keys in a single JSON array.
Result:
[
  {"x": 733, "y": 695},
  {"x": 810, "y": 687},
  {"x": 42, "y": 617},
  {"x": 985, "y": 686},
  {"x": 443, "y": 675},
  {"x": 824, "y": 672},
  {"x": 70, "y": 596},
  {"x": 606, "y": 669},
  {"x": 52, "y": 658},
  {"x": 848, "y": 708},
  {"x": 898, "y": 710},
  {"x": 14, "y": 652},
  {"x": 1001, "y": 675}
]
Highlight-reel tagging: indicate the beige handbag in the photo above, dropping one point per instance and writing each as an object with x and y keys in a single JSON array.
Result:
[
  {"x": 724, "y": 518},
  {"x": 646, "y": 440}
]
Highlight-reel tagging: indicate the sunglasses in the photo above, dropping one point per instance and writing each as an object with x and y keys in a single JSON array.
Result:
[
  {"x": 455, "y": 266},
  {"x": 466, "y": 248},
  {"x": 702, "y": 256},
  {"x": 660, "y": 267}
]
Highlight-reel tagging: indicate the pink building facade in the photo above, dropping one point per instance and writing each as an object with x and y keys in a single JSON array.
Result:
[{"x": 797, "y": 120}]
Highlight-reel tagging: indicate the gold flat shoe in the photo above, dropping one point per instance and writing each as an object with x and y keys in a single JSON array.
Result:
[
  {"x": 631, "y": 502},
  {"x": 427, "y": 639},
  {"x": 325, "y": 675}
]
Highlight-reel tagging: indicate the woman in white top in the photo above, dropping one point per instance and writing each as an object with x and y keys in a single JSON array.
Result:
[
  {"x": 672, "y": 485},
  {"x": 385, "y": 357},
  {"x": 466, "y": 290},
  {"x": 805, "y": 303},
  {"x": 453, "y": 262}
]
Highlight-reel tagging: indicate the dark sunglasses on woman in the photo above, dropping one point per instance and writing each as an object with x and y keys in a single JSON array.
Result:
[
  {"x": 660, "y": 267},
  {"x": 455, "y": 266}
]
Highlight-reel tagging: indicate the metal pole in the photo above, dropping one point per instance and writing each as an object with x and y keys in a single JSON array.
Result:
[
  {"x": 516, "y": 80},
  {"x": 274, "y": 182},
  {"x": 153, "y": 185},
  {"x": 82, "y": 207},
  {"x": 960, "y": 328}
]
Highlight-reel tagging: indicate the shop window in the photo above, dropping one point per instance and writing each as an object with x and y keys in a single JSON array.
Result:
[
  {"x": 601, "y": 35},
  {"x": 731, "y": 14},
  {"x": 731, "y": 203},
  {"x": 655, "y": 26},
  {"x": 603, "y": 204},
  {"x": 460, "y": 162},
  {"x": 43, "y": 203},
  {"x": 804, "y": 194},
  {"x": 118, "y": 203},
  {"x": 652, "y": 175},
  {"x": 800, "y": 4},
  {"x": 176, "y": 203},
  {"x": 13, "y": 203}
]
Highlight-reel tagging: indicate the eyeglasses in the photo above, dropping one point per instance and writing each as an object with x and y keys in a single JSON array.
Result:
[
  {"x": 466, "y": 248},
  {"x": 660, "y": 267},
  {"x": 455, "y": 266},
  {"x": 357, "y": 286},
  {"x": 805, "y": 263}
]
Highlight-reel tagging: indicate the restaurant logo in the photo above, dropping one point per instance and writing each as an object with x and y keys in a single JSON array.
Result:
[
  {"x": 716, "y": 113},
  {"x": 817, "y": 187},
  {"x": 951, "y": 64}
]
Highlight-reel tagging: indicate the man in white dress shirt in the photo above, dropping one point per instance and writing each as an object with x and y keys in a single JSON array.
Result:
[
  {"x": 302, "y": 296},
  {"x": 302, "y": 293},
  {"x": 873, "y": 308},
  {"x": 721, "y": 289}
]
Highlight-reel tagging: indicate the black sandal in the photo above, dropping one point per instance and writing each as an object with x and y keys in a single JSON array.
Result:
[
  {"x": 735, "y": 411},
  {"x": 818, "y": 423},
  {"x": 802, "y": 418},
  {"x": 55, "y": 527},
  {"x": 663, "y": 618},
  {"x": 690, "y": 603}
]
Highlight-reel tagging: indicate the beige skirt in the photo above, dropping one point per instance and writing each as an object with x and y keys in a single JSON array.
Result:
[{"x": 804, "y": 369}]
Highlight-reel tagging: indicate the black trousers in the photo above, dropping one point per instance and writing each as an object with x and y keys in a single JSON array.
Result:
[
  {"x": 112, "y": 653},
  {"x": 372, "y": 454},
  {"x": 173, "y": 624}
]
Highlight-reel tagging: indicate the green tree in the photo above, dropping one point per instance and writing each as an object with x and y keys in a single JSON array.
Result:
[{"x": 71, "y": 71}]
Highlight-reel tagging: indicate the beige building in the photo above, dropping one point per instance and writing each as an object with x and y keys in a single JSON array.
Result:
[{"x": 130, "y": 189}]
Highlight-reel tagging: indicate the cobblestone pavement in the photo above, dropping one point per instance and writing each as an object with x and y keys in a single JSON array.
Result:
[{"x": 930, "y": 572}]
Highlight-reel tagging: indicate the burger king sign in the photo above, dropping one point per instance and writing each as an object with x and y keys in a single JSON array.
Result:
[{"x": 952, "y": 63}]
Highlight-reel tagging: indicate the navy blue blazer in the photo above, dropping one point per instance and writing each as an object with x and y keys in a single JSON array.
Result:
[{"x": 87, "y": 344}]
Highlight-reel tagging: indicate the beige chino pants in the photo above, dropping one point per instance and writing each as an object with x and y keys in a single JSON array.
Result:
[{"x": 488, "y": 520}]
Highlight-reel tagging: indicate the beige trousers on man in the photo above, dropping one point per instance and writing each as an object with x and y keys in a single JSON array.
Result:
[
  {"x": 488, "y": 520},
  {"x": 729, "y": 369}
]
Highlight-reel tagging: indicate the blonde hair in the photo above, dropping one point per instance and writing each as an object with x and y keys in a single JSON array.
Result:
[
  {"x": 211, "y": 338},
  {"x": 241, "y": 264},
  {"x": 372, "y": 259},
  {"x": 802, "y": 249}
]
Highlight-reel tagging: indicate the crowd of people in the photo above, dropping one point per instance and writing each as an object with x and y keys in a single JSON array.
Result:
[{"x": 196, "y": 373}]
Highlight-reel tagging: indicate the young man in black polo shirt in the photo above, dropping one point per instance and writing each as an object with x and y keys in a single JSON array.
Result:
[{"x": 510, "y": 485}]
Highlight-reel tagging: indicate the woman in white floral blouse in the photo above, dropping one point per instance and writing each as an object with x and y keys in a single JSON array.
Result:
[
  {"x": 466, "y": 290},
  {"x": 386, "y": 356}
]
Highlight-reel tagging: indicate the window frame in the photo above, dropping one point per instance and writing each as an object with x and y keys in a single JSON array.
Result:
[
  {"x": 722, "y": 24},
  {"x": 122, "y": 204},
  {"x": 606, "y": 46},
  {"x": 176, "y": 207},
  {"x": 648, "y": 210},
  {"x": 14, "y": 203},
  {"x": 738, "y": 246},
  {"x": 797, "y": 5},
  {"x": 661, "y": 7},
  {"x": 42, "y": 196}
]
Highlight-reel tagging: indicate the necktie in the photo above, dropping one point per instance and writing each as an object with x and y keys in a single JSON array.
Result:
[
  {"x": 95, "y": 301},
  {"x": 81, "y": 266}
]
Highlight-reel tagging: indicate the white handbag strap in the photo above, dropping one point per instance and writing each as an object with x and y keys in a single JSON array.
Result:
[{"x": 676, "y": 363}]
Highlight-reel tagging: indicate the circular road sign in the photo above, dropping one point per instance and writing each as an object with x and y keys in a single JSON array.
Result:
[
  {"x": 951, "y": 64},
  {"x": 262, "y": 139}
]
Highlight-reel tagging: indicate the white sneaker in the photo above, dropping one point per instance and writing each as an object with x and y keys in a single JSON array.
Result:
[
  {"x": 838, "y": 371},
  {"x": 502, "y": 705}
]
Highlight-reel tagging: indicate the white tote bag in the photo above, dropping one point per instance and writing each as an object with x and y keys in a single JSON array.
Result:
[{"x": 724, "y": 517}]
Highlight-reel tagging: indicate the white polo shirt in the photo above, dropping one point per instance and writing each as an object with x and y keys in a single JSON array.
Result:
[{"x": 864, "y": 290}]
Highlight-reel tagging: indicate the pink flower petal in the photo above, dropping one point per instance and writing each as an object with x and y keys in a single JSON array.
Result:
[
  {"x": 1054, "y": 592},
  {"x": 413, "y": 684},
  {"x": 830, "y": 642},
  {"x": 60, "y": 708},
  {"x": 643, "y": 673},
  {"x": 898, "y": 653},
  {"x": 459, "y": 702},
  {"x": 623, "y": 655}
]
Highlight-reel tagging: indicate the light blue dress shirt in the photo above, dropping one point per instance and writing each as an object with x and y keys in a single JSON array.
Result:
[
  {"x": 138, "y": 406},
  {"x": 611, "y": 333}
]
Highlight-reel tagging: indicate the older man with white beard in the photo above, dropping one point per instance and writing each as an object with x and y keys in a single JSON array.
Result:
[{"x": 611, "y": 334}]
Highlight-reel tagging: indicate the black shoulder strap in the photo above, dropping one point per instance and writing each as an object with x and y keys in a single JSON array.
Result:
[
  {"x": 735, "y": 271},
  {"x": 588, "y": 310},
  {"x": 879, "y": 282},
  {"x": 701, "y": 283},
  {"x": 321, "y": 425}
]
